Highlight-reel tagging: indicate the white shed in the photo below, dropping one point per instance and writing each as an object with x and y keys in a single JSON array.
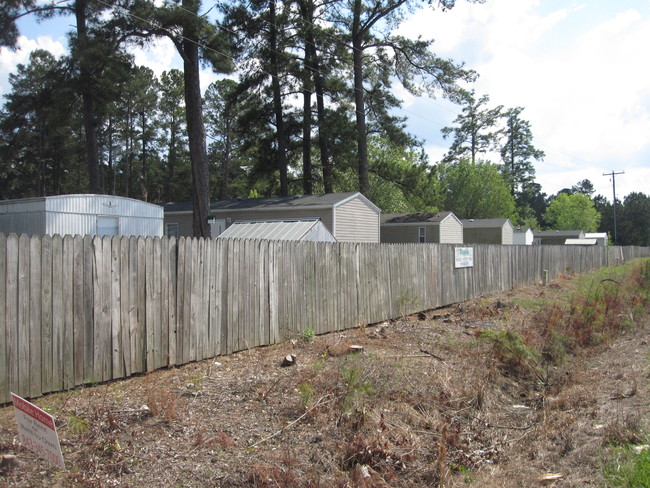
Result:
[
  {"x": 523, "y": 236},
  {"x": 81, "y": 215}
]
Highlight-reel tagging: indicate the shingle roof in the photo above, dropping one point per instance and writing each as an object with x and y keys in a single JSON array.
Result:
[
  {"x": 429, "y": 217},
  {"x": 326, "y": 200},
  {"x": 484, "y": 222}
]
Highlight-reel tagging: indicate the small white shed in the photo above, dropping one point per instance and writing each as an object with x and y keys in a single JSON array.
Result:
[
  {"x": 523, "y": 236},
  {"x": 81, "y": 215}
]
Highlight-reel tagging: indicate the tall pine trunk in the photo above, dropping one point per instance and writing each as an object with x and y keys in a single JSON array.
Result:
[
  {"x": 196, "y": 130},
  {"x": 277, "y": 103},
  {"x": 88, "y": 99},
  {"x": 359, "y": 100}
]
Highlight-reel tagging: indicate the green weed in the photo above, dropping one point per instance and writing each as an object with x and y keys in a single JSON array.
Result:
[
  {"x": 629, "y": 469},
  {"x": 308, "y": 335}
]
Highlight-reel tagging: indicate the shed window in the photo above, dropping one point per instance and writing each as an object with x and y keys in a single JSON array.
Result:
[
  {"x": 171, "y": 230},
  {"x": 108, "y": 226},
  {"x": 422, "y": 234}
]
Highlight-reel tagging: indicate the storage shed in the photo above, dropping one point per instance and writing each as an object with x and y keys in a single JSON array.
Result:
[
  {"x": 350, "y": 217},
  {"x": 81, "y": 215},
  {"x": 602, "y": 239},
  {"x": 280, "y": 230},
  {"x": 436, "y": 227},
  {"x": 556, "y": 237},
  {"x": 487, "y": 231},
  {"x": 523, "y": 236}
]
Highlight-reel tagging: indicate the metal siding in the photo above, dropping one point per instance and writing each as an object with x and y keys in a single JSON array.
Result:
[
  {"x": 356, "y": 221},
  {"x": 324, "y": 214},
  {"x": 77, "y": 214}
]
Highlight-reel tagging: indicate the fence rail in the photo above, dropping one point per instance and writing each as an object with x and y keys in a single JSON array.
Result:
[{"x": 76, "y": 310}]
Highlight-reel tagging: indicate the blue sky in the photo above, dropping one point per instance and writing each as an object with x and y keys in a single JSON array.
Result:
[{"x": 580, "y": 69}]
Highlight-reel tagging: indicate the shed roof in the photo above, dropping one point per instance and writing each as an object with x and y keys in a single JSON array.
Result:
[
  {"x": 522, "y": 230},
  {"x": 484, "y": 223},
  {"x": 328, "y": 200},
  {"x": 422, "y": 217},
  {"x": 558, "y": 233},
  {"x": 279, "y": 230},
  {"x": 580, "y": 242}
]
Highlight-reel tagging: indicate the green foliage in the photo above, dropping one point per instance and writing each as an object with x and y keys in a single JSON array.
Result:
[
  {"x": 572, "y": 212},
  {"x": 628, "y": 469},
  {"x": 307, "y": 392},
  {"x": 308, "y": 335},
  {"x": 77, "y": 425},
  {"x": 476, "y": 131},
  {"x": 513, "y": 352},
  {"x": 358, "y": 386},
  {"x": 476, "y": 191}
]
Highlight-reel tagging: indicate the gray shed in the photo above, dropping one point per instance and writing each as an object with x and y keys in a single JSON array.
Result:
[
  {"x": 280, "y": 230},
  {"x": 556, "y": 237},
  {"x": 81, "y": 215},
  {"x": 436, "y": 227},
  {"x": 350, "y": 217},
  {"x": 487, "y": 231}
]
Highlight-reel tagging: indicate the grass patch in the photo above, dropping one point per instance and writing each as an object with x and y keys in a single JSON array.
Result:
[{"x": 629, "y": 469}]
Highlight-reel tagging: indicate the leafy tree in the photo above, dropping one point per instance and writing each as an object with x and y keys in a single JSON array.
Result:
[
  {"x": 635, "y": 221},
  {"x": 476, "y": 130},
  {"x": 176, "y": 166},
  {"x": 221, "y": 110},
  {"x": 585, "y": 187},
  {"x": 476, "y": 190},
  {"x": 40, "y": 145},
  {"x": 94, "y": 60},
  {"x": 572, "y": 212},
  {"x": 518, "y": 152}
]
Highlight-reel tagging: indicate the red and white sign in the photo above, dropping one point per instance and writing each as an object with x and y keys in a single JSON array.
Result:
[{"x": 37, "y": 431}]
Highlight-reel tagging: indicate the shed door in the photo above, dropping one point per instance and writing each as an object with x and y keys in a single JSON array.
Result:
[{"x": 108, "y": 226}]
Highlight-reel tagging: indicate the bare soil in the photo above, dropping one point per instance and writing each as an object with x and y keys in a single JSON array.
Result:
[{"x": 426, "y": 403}]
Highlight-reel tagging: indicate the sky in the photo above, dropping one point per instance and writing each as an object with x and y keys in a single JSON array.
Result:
[{"x": 579, "y": 69}]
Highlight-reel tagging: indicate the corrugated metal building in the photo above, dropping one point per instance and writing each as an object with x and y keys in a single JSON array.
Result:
[
  {"x": 487, "y": 231},
  {"x": 435, "y": 227},
  {"x": 81, "y": 215},
  {"x": 280, "y": 230},
  {"x": 350, "y": 217}
]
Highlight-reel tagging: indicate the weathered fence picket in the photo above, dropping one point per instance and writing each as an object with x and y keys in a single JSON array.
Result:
[{"x": 78, "y": 310}]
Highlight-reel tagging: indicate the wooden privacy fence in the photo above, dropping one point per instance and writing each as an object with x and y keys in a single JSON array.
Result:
[{"x": 76, "y": 310}]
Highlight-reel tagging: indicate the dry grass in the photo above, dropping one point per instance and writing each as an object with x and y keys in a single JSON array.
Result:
[{"x": 428, "y": 403}]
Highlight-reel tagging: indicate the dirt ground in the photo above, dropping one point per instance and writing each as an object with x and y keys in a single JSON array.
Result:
[{"x": 425, "y": 403}]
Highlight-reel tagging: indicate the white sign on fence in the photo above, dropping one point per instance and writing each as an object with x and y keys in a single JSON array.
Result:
[
  {"x": 464, "y": 257},
  {"x": 37, "y": 431}
]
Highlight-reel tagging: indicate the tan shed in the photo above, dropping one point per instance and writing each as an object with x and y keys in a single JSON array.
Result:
[
  {"x": 350, "y": 217},
  {"x": 422, "y": 227},
  {"x": 487, "y": 231}
]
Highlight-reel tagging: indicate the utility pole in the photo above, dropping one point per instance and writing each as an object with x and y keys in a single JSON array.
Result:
[{"x": 613, "y": 175}]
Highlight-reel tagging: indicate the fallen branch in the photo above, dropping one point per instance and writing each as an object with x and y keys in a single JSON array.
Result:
[{"x": 290, "y": 423}]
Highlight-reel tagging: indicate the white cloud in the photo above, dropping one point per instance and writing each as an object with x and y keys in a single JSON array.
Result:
[
  {"x": 160, "y": 55},
  {"x": 576, "y": 70},
  {"x": 9, "y": 59}
]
